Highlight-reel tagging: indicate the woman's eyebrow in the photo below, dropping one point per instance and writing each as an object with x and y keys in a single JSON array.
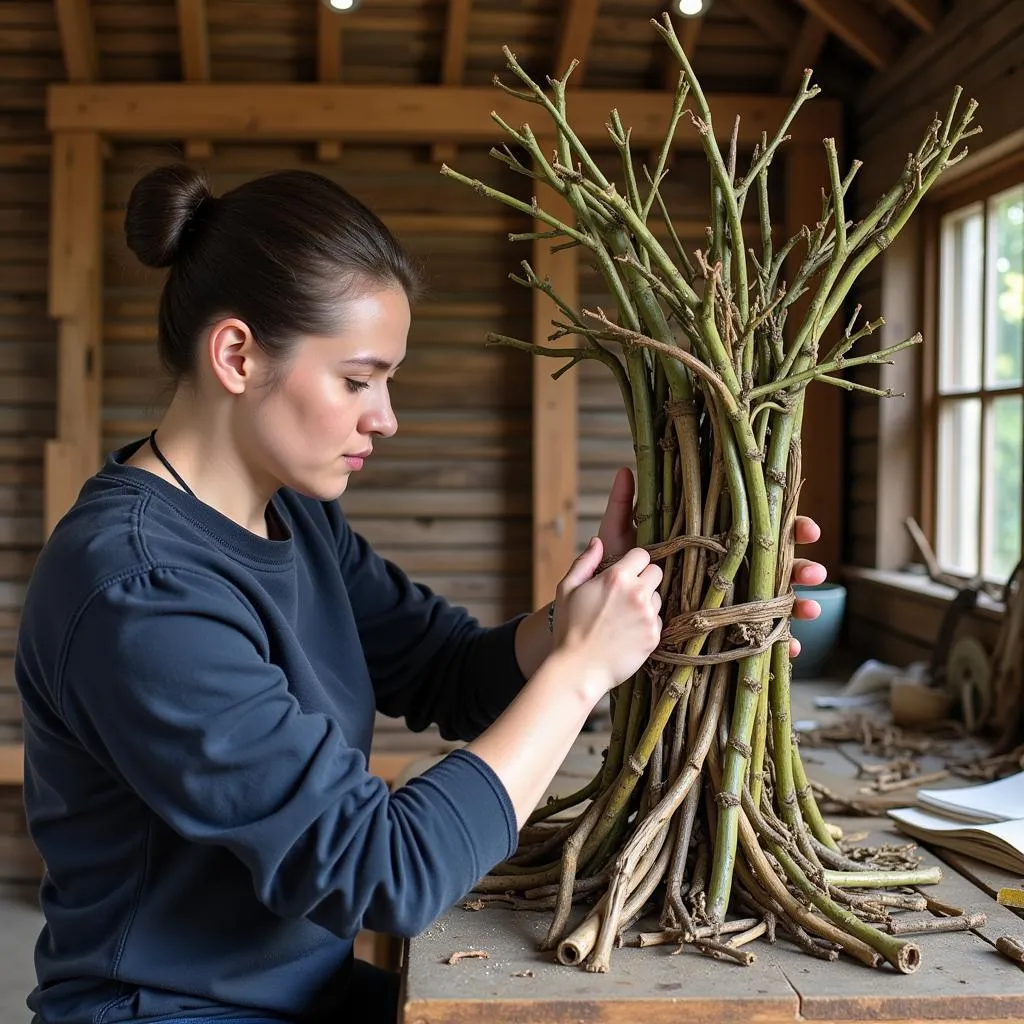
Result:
[{"x": 372, "y": 362}]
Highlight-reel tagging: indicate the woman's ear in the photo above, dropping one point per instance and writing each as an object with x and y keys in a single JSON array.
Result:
[{"x": 233, "y": 355}]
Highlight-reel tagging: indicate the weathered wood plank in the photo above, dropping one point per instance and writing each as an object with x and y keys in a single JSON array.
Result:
[
  {"x": 399, "y": 113},
  {"x": 76, "y": 298},
  {"x": 863, "y": 31},
  {"x": 644, "y": 985},
  {"x": 555, "y": 456},
  {"x": 578, "y": 20},
  {"x": 960, "y": 978},
  {"x": 925, "y": 14},
  {"x": 804, "y": 54},
  {"x": 78, "y": 39}
]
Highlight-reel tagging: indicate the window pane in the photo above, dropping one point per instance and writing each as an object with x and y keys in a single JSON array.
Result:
[
  {"x": 960, "y": 299},
  {"x": 1005, "y": 288},
  {"x": 1001, "y": 548},
  {"x": 958, "y": 482}
]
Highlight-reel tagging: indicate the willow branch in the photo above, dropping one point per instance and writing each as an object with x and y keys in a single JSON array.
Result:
[{"x": 823, "y": 369}]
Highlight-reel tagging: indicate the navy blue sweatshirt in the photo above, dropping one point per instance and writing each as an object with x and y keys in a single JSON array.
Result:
[{"x": 199, "y": 703}]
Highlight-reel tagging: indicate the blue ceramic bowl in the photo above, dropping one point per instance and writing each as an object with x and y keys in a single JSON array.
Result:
[{"x": 818, "y": 638}]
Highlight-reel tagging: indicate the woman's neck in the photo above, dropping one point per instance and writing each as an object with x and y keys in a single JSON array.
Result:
[{"x": 200, "y": 444}]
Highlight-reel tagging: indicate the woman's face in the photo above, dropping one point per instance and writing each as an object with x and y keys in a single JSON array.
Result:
[{"x": 318, "y": 422}]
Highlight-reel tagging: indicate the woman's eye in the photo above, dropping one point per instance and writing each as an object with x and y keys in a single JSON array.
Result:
[{"x": 355, "y": 386}]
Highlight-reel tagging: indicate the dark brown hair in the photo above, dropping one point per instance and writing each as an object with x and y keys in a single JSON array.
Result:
[{"x": 282, "y": 253}]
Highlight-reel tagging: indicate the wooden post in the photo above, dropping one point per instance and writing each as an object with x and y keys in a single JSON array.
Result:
[
  {"x": 75, "y": 300},
  {"x": 555, "y": 419},
  {"x": 822, "y": 432}
]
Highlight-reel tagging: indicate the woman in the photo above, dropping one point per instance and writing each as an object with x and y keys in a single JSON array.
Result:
[{"x": 205, "y": 642}]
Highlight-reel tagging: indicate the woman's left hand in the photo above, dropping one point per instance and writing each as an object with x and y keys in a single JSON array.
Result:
[{"x": 618, "y": 535}]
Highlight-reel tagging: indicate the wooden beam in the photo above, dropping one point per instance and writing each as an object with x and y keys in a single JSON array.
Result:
[
  {"x": 579, "y": 19},
  {"x": 456, "y": 42},
  {"x": 925, "y": 14},
  {"x": 804, "y": 54},
  {"x": 822, "y": 429},
  {"x": 453, "y": 63},
  {"x": 420, "y": 113},
  {"x": 899, "y": 421},
  {"x": 777, "y": 20},
  {"x": 555, "y": 420},
  {"x": 194, "y": 42},
  {"x": 328, "y": 69},
  {"x": 77, "y": 40},
  {"x": 75, "y": 299},
  {"x": 857, "y": 26}
]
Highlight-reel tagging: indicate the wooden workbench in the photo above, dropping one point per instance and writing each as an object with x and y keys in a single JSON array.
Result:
[{"x": 962, "y": 976}]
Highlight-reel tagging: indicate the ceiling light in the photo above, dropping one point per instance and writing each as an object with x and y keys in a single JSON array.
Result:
[
  {"x": 693, "y": 8},
  {"x": 342, "y": 6}
]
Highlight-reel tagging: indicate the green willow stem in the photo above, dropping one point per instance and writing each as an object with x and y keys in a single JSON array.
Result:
[
  {"x": 808, "y": 805},
  {"x": 904, "y": 956},
  {"x": 563, "y": 803},
  {"x": 755, "y": 772},
  {"x": 883, "y": 879},
  {"x": 723, "y": 180},
  {"x": 806, "y": 376}
]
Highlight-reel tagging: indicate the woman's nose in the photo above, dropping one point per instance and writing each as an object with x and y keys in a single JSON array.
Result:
[{"x": 381, "y": 420}]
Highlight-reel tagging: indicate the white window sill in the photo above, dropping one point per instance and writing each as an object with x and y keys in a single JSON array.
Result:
[{"x": 920, "y": 585}]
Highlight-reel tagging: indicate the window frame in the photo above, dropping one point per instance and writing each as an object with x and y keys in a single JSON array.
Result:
[{"x": 974, "y": 188}]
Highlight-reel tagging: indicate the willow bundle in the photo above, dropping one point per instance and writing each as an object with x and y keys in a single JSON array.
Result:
[{"x": 702, "y": 802}]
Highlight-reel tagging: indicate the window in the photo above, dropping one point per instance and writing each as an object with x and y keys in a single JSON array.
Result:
[{"x": 978, "y": 441}]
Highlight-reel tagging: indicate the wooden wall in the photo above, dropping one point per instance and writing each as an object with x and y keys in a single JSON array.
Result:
[
  {"x": 979, "y": 46},
  {"x": 27, "y": 336},
  {"x": 29, "y": 54}
]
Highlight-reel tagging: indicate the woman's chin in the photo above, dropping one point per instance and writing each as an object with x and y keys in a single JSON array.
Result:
[{"x": 323, "y": 489}]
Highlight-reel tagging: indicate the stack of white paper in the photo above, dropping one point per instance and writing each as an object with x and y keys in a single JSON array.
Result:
[{"x": 984, "y": 821}]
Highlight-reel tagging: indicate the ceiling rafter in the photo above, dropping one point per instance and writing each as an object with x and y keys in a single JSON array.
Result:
[
  {"x": 453, "y": 62},
  {"x": 194, "y": 41},
  {"x": 777, "y": 20},
  {"x": 924, "y": 14},
  {"x": 578, "y": 23},
  {"x": 804, "y": 54},
  {"x": 328, "y": 69},
  {"x": 864, "y": 32},
  {"x": 78, "y": 40}
]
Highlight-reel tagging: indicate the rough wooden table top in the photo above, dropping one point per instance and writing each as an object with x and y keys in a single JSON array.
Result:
[{"x": 962, "y": 976}]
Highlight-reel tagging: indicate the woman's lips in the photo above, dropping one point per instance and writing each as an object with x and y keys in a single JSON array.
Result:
[{"x": 356, "y": 461}]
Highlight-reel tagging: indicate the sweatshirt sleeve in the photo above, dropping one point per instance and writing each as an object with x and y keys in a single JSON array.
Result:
[
  {"x": 166, "y": 679},
  {"x": 430, "y": 661}
]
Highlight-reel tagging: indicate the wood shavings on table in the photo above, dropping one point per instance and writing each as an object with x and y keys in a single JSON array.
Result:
[
  {"x": 468, "y": 954},
  {"x": 965, "y": 757}
]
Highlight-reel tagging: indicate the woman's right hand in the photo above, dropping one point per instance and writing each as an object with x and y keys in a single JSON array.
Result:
[{"x": 611, "y": 619}]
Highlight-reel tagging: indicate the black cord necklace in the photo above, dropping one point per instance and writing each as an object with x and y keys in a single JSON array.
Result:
[{"x": 167, "y": 465}]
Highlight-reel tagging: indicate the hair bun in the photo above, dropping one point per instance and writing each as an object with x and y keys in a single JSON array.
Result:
[{"x": 160, "y": 208}]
